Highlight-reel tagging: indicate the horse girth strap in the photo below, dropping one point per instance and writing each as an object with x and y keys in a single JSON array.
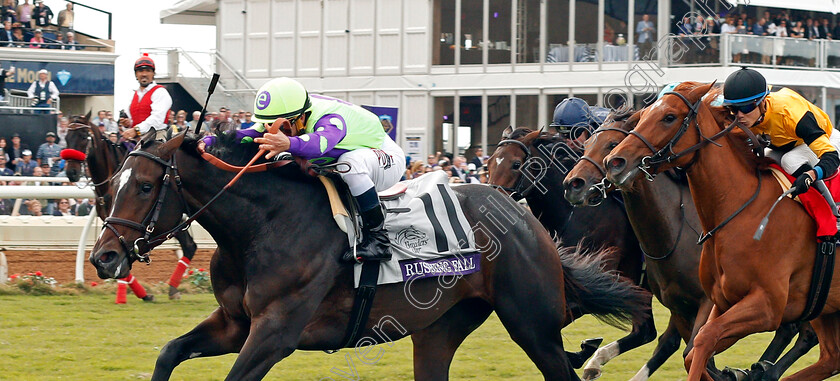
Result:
[
  {"x": 820, "y": 280},
  {"x": 362, "y": 304}
]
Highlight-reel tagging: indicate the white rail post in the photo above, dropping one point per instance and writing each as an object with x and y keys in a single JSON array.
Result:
[
  {"x": 4, "y": 268},
  {"x": 80, "y": 250}
]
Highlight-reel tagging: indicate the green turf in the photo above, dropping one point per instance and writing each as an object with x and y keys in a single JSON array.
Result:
[{"x": 87, "y": 337}]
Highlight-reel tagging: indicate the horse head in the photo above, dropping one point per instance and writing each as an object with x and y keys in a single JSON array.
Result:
[
  {"x": 526, "y": 162},
  {"x": 666, "y": 136},
  {"x": 586, "y": 183},
  {"x": 78, "y": 140},
  {"x": 148, "y": 204}
]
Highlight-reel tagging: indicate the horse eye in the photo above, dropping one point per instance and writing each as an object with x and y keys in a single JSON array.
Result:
[
  {"x": 146, "y": 187},
  {"x": 669, "y": 118},
  {"x": 612, "y": 145},
  {"x": 516, "y": 165}
]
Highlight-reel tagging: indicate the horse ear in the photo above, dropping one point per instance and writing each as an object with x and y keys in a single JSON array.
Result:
[
  {"x": 87, "y": 116},
  {"x": 507, "y": 131},
  {"x": 700, "y": 91},
  {"x": 168, "y": 148}
]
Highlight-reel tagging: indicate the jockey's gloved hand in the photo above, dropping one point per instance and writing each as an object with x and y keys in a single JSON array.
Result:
[{"x": 802, "y": 184}]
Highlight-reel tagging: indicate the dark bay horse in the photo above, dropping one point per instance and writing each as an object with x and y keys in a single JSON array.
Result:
[
  {"x": 533, "y": 164},
  {"x": 103, "y": 158},
  {"x": 755, "y": 285},
  {"x": 666, "y": 222},
  {"x": 280, "y": 286}
]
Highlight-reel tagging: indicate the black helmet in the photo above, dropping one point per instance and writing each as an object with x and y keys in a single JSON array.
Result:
[{"x": 744, "y": 86}]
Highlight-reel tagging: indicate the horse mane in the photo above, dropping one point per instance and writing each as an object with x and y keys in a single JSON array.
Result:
[{"x": 519, "y": 133}]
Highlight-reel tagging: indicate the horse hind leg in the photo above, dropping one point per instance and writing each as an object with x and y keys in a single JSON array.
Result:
[
  {"x": 435, "y": 345},
  {"x": 217, "y": 335},
  {"x": 642, "y": 333},
  {"x": 669, "y": 342},
  {"x": 827, "y": 328},
  {"x": 768, "y": 371}
]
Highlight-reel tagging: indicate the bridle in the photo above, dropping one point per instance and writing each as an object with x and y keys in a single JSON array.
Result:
[
  {"x": 666, "y": 154},
  {"x": 516, "y": 192},
  {"x": 604, "y": 184},
  {"x": 147, "y": 227}
]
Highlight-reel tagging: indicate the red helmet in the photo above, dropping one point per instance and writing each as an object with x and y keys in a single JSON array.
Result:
[{"x": 144, "y": 62}]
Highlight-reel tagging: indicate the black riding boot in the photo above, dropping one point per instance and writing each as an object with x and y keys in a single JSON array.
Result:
[{"x": 375, "y": 245}]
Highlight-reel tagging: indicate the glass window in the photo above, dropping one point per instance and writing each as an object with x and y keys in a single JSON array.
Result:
[
  {"x": 557, "y": 31},
  {"x": 472, "y": 27},
  {"x": 645, "y": 29},
  {"x": 553, "y": 101},
  {"x": 498, "y": 43},
  {"x": 528, "y": 31},
  {"x": 444, "y": 117},
  {"x": 615, "y": 31},
  {"x": 443, "y": 47},
  {"x": 527, "y": 109},
  {"x": 498, "y": 118},
  {"x": 469, "y": 130}
]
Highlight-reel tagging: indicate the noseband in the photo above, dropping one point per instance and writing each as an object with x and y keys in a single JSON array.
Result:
[
  {"x": 602, "y": 186},
  {"x": 516, "y": 192}
]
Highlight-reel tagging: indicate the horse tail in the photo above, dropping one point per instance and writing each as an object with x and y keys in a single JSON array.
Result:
[{"x": 592, "y": 290}]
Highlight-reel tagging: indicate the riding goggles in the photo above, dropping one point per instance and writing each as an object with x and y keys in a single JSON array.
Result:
[{"x": 744, "y": 108}]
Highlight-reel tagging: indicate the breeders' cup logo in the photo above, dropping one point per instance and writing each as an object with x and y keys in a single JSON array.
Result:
[
  {"x": 263, "y": 99},
  {"x": 63, "y": 77},
  {"x": 412, "y": 238}
]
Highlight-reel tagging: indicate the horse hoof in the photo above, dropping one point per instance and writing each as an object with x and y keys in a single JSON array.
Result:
[
  {"x": 758, "y": 371},
  {"x": 174, "y": 294},
  {"x": 590, "y": 374},
  {"x": 149, "y": 298},
  {"x": 591, "y": 344},
  {"x": 736, "y": 374}
]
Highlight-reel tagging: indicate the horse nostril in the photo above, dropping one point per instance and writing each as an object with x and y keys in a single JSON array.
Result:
[
  {"x": 577, "y": 183},
  {"x": 617, "y": 163}
]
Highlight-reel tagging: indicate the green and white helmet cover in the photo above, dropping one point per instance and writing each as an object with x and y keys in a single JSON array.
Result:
[{"x": 280, "y": 97}]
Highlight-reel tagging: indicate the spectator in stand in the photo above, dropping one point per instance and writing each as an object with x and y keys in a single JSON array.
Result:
[
  {"x": 8, "y": 11},
  {"x": 85, "y": 207},
  {"x": 835, "y": 32},
  {"x": 7, "y": 34},
  {"x": 194, "y": 121},
  {"x": 210, "y": 121},
  {"x": 100, "y": 117},
  {"x": 58, "y": 43},
  {"x": 5, "y": 73},
  {"x": 699, "y": 26},
  {"x": 24, "y": 165},
  {"x": 64, "y": 208},
  {"x": 43, "y": 90},
  {"x": 812, "y": 31},
  {"x": 18, "y": 39},
  {"x": 247, "y": 121},
  {"x": 42, "y": 15},
  {"x": 24, "y": 12},
  {"x": 479, "y": 152},
  {"x": 825, "y": 29},
  {"x": 15, "y": 151},
  {"x": 65, "y": 19},
  {"x": 71, "y": 43},
  {"x": 472, "y": 174},
  {"x": 645, "y": 31},
  {"x": 684, "y": 27},
  {"x": 114, "y": 137},
  {"x": 225, "y": 122},
  {"x": 111, "y": 125},
  {"x": 63, "y": 126},
  {"x": 37, "y": 41},
  {"x": 180, "y": 122},
  {"x": 759, "y": 28},
  {"x": 3, "y": 170},
  {"x": 728, "y": 26},
  {"x": 798, "y": 31},
  {"x": 31, "y": 208},
  {"x": 171, "y": 116},
  {"x": 49, "y": 151},
  {"x": 3, "y": 148}
]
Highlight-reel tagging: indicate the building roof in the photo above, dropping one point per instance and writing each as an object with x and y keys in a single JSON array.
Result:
[{"x": 190, "y": 12}]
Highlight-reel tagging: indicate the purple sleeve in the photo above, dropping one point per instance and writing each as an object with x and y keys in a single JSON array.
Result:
[{"x": 329, "y": 130}]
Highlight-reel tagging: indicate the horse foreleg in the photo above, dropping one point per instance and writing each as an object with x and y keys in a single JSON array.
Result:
[
  {"x": 435, "y": 345},
  {"x": 827, "y": 328},
  {"x": 753, "y": 313},
  {"x": 641, "y": 334},
  {"x": 669, "y": 342},
  {"x": 217, "y": 335}
]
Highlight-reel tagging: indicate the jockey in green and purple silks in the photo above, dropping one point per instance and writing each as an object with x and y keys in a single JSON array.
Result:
[{"x": 325, "y": 130}]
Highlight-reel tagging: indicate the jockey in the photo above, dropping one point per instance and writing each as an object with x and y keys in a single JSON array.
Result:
[
  {"x": 575, "y": 119},
  {"x": 801, "y": 136},
  {"x": 325, "y": 130}
]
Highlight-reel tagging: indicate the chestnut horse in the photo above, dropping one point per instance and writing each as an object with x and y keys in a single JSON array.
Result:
[
  {"x": 666, "y": 222},
  {"x": 533, "y": 164},
  {"x": 755, "y": 285},
  {"x": 103, "y": 158},
  {"x": 281, "y": 287}
]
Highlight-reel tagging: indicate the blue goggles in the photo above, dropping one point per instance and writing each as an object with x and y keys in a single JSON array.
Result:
[{"x": 744, "y": 108}]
